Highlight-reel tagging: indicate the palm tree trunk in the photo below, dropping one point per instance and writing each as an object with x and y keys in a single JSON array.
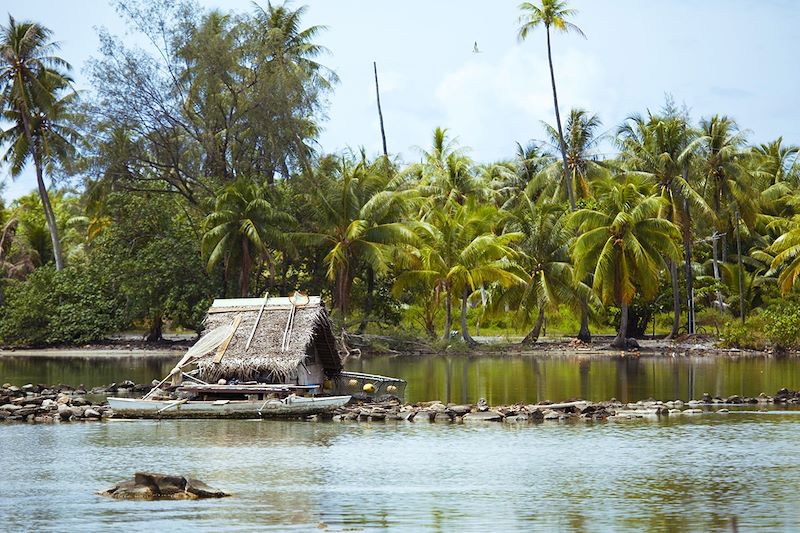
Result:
[
  {"x": 533, "y": 335},
  {"x": 715, "y": 265},
  {"x": 156, "y": 328},
  {"x": 584, "y": 334},
  {"x": 368, "y": 302},
  {"x": 49, "y": 215},
  {"x": 676, "y": 300},
  {"x": 244, "y": 275},
  {"x": 447, "y": 315},
  {"x": 620, "y": 341},
  {"x": 567, "y": 179},
  {"x": 687, "y": 258},
  {"x": 464, "y": 330}
]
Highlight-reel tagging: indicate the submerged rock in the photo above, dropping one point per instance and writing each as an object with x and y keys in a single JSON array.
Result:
[{"x": 152, "y": 486}]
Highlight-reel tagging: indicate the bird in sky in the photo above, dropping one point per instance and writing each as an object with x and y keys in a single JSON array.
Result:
[{"x": 475, "y": 49}]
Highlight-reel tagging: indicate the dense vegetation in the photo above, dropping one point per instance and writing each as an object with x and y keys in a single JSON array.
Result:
[{"x": 191, "y": 171}]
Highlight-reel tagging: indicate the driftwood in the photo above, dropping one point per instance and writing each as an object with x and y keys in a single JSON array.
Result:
[{"x": 579, "y": 403}]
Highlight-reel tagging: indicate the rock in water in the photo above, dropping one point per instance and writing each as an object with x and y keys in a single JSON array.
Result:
[{"x": 151, "y": 486}]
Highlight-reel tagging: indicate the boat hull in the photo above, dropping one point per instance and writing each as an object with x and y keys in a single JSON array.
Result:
[{"x": 290, "y": 407}]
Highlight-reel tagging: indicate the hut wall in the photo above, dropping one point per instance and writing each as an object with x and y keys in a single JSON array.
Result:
[{"x": 314, "y": 372}]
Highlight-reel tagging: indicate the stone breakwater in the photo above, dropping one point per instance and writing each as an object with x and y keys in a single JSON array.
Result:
[
  {"x": 574, "y": 409},
  {"x": 63, "y": 403},
  {"x": 56, "y": 403}
]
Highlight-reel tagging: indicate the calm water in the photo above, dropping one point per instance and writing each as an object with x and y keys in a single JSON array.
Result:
[
  {"x": 499, "y": 379},
  {"x": 690, "y": 475},
  {"x": 680, "y": 474}
]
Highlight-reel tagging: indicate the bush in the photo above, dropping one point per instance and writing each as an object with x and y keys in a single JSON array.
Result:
[
  {"x": 747, "y": 336},
  {"x": 49, "y": 307},
  {"x": 782, "y": 325}
]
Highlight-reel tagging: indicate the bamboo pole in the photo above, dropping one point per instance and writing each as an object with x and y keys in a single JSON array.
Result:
[{"x": 258, "y": 319}]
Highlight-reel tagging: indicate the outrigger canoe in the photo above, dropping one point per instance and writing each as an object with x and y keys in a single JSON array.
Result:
[{"x": 291, "y": 406}]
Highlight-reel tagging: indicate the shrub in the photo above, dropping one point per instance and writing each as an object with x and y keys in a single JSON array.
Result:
[
  {"x": 782, "y": 325},
  {"x": 49, "y": 307},
  {"x": 747, "y": 336}
]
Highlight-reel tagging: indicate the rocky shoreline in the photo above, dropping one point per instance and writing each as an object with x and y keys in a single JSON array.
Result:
[{"x": 63, "y": 403}]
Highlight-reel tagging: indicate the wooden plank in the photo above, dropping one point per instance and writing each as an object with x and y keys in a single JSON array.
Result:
[{"x": 224, "y": 346}]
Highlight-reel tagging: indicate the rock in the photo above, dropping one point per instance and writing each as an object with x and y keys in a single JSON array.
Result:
[
  {"x": 550, "y": 414},
  {"x": 91, "y": 413},
  {"x": 79, "y": 400},
  {"x": 483, "y": 416},
  {"x": 723, "y": 411},
  {"x": 77, "y": 412},
  {"x": 10, "y": 407},
  {"x": 442, "y": 416},
  {"x": 535, "y": 414},
  {"x": 692, "y": 412},
  {"x": 64, "y": 412},
  {"x": 63, "y": 399},
  {"x": 483, "y": 406},
  {"x": 516, "y": 418},
  {"x": 461, "y": 410},
  {"x": 201, "y": 490},
  {"x": 408, "y": 416},
  {"x": 127, "y": 384},
  {"x": 49, "y": 404},
  {"x": 151, "y": 486}
]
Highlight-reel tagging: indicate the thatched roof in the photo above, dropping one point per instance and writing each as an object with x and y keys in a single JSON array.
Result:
[{"x": 311, "y": 325}]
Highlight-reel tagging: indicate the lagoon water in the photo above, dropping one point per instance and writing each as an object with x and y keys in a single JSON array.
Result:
[
  {"x": 529, "y": 377},
  {"x": 711, "y": 472},
  {"x": 692, "y": 474}
]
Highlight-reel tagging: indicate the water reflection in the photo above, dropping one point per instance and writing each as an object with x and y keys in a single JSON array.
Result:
[
  {"x": 532, "y": 378},
  {"x": 499, "y": 379}
]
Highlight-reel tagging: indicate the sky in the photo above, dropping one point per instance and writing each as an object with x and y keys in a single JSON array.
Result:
[{"x": 732, "y": 57}]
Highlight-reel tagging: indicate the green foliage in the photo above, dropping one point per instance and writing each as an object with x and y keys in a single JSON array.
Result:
[
  {"x": 72, "y": 306},
  {"x": 782, "y": 325},
  {"x": 747, "y": 336}
]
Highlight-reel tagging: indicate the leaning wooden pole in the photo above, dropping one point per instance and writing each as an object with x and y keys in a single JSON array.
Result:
[{"x": 380, "y": 112}]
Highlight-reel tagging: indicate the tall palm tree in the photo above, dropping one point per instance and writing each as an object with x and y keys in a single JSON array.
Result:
[
  {"x": 624, "y": 243},
  {"x": 660, "y": 147},
  {"x": 551, "y": 14},
  {"x": 244, "y": 228},
  {"x": 31, "y": 80}
]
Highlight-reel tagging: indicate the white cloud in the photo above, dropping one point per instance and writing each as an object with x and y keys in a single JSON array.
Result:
[{"x": 491, "y": 104}]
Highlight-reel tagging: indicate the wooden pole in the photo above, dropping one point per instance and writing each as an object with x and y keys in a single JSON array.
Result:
[
  {"x": 258, "y": 319},
  {"x": 380, "y": 113}
]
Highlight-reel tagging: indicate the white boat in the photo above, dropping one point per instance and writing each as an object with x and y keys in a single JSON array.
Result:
[{"x": 291, "y": 406}]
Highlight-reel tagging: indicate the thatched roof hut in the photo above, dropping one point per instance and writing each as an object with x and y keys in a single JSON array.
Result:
[{"x": 276, "y": 351}]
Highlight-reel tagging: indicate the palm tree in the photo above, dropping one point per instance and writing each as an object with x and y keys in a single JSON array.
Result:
[
  {"x": 31, "y": 79},
  {"x": 624, "y": 243},
  {"x": 243, "y": 228},
  {"x": 727, "y": 182},
  {"x": 361, "y": 219},
  {"x": 785, "y": 253},
  {"x": 580, "y": 141},
  {"x": 446, "y": 174},
  {"x": 660, "y": 148},
  {"x": 550, "y": 279},
  {"x": 551, "y": 13},
  {"x": 462, "y": 253}
]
